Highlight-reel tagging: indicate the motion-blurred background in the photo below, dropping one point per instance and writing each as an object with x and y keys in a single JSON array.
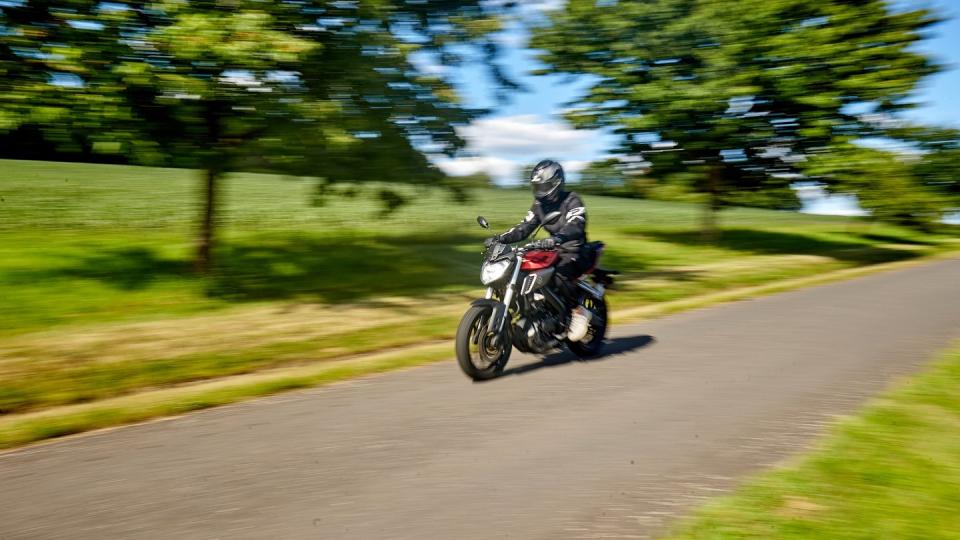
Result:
[{"x": 193, "y": 190}]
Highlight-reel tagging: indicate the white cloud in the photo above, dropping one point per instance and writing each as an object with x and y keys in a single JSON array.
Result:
[
  {"x": 524, "y": 136},
  {"x": 575, "y": 165},
  {"x": 502, "y": 146},
  {"x": 817, "y": 200},
  {"x": 544, "y": 5},
  {"x": 428, "y": 64},
  {"x": 498, "y": 168},
  {"x": 531, "y": 5},
  {"x": 504, "y": 171},
  {"x": 513, "y": 40}
]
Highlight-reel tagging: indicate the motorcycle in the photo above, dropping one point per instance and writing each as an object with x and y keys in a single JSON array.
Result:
[{"x": 524, "y": 308}]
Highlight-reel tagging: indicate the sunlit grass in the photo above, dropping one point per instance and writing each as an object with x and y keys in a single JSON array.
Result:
[
  {"x": 892, "y": 471},
  {"x": 32, "y": 384},
  {"x": 94, "y": 258},
  {"x": 82, "y": 244}
]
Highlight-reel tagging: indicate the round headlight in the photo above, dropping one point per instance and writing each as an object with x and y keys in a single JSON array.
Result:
[{"x": 493, "y": 271}]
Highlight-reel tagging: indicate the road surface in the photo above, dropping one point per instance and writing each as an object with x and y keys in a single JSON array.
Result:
[{"x": 680, "y": 409}]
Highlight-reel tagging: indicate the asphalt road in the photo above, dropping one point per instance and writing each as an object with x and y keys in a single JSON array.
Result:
[{"x": 679, "y": 410}]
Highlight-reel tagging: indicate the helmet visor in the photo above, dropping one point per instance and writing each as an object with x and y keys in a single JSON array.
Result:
[{"x": 545, "y": 189}]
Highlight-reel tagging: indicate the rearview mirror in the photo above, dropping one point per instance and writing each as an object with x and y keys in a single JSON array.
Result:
[{"x": 483, "y": 222}]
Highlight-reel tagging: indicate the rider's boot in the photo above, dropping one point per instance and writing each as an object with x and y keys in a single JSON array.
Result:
[
  {"x": 579, "y": 323},
  {"x": 579, "y": 315}
]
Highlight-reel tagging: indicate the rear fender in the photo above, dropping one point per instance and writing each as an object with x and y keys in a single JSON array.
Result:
[
  {"x": 596, "y": 291},
  {"x": 604, "y": 277}
]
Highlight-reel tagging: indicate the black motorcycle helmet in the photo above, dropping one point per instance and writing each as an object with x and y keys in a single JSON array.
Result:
[{"x": 547, "y": 180}]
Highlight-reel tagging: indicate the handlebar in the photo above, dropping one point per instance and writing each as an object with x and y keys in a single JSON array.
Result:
[
  {"x": 529, "y": 246},
  {"x": 533, "y": 245}
]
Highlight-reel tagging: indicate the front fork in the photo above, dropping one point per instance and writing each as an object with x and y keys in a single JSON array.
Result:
[{"x": 502, "y": 309}]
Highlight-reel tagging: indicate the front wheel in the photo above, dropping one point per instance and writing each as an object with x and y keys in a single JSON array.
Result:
[
  {"x": 592, "y": 344},
  {"x": 480, "y": 354}
]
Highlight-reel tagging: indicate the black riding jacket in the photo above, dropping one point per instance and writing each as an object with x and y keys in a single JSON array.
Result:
[{"x": 569, "y": 230}]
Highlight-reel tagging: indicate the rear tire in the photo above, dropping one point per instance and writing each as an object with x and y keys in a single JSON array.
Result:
[
  {"x": 479, "y": 357},
  {"x": 592, "y": 345}
]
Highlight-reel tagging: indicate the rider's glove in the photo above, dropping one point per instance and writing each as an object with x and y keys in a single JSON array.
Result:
[
  {"x": 491, "y": 241},
  {"x": 546, "y": 243}
]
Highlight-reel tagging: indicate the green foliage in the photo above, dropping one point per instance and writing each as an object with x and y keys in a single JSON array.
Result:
[
  {"x": 938, "y": 166},
  {"x": 885, "y": 183},
  {"x": 325, "y": 88},
  {"x": 460, "y": 186},
  {"x": 609, "y": 177},
  {"x": 738, "y": 92},
  {"x": 287, "y": 86}
]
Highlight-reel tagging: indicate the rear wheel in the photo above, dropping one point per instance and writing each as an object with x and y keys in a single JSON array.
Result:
[
  {"x": 592, "y": 344},
  {"x": 480, "y": 353}
]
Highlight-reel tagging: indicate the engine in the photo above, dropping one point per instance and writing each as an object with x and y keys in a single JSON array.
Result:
[{"x": 534, "y": 333}]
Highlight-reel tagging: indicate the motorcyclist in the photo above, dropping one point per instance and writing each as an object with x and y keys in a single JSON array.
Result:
[{"x": 568, "y": 235}]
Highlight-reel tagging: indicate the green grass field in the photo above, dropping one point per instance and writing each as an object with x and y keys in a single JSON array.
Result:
[
  {"x": 91, "y": 243},
  {"x": 892, "y": 471},
  {"x": 97, "y": 298}
]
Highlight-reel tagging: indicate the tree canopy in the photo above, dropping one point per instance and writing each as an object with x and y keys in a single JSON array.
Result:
[
  {"x": 340, "y": 90},
  {"x": 734, "y": 97}
]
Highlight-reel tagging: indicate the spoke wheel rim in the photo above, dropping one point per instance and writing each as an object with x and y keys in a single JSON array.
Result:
[{"x": 484, "y": 354}]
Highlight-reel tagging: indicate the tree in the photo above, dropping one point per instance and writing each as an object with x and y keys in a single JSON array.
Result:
[
  {"x": 885, "y": 183},
  {"x": 615, "y": 178},
  {"x": 600, "y": 177},
  {"x": 340, "y": 90},
  {"x": 912, "y": 181},
  {"x": 739, "y": 92},
  {"x": 468, "y": 181},
  {"x": 938, "y": 163}
]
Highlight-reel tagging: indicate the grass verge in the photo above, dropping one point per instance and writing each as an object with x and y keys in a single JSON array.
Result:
[
  {"x": 36, "y": 384},
  {"x": 20, "y": 429},
  {"x": 891, "y": 471},
  {"x": 16, "y": 430}
]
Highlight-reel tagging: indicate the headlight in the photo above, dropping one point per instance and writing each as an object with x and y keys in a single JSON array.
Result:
[{"x": 493, "y": 271}]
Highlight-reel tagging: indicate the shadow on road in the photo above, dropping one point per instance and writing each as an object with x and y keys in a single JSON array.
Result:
[{"x": 613, "y": 347}]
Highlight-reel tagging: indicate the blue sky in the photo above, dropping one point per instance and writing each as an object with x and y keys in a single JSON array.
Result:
[
  {"x": 939, "y": 94},
  {"x": 529, "y": 126}
]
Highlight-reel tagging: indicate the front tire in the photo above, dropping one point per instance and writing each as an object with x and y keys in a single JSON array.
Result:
[
  {"x": 481, "y": 357},
  {"x": 592, "y": 345}
]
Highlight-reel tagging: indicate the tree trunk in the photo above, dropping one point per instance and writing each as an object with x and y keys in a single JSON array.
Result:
[
  {"x": 212, "y": 113},
  {"x": 204, "y": 261},
  {"x": 710, "y": 230}
]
